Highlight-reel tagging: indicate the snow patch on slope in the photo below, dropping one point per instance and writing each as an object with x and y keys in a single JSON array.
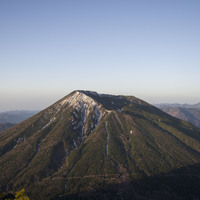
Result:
[
  {"x": 51, "y": 120},
  {"x": 84, "y": 105},
  {"x": 107, "y": 154},
  {"x": 107, "y": 140},
  {"x": 97, "y": 116},
  {"x": 84, "y": 117},
  {"x": 19, "y": 140},
  {"x": 78, "y": 99}
]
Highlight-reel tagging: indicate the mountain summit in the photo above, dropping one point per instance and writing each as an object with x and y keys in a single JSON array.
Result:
[{"x": 97, "y": 146}]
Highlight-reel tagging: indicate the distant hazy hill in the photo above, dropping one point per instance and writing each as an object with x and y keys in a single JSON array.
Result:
[
  {"x": 164, "y": 105},
  {"x": 96, "y": 146},
  {"x": 4, "y": 126},
  {"x": 16, "y": 116},
  {"x": 190, "y": 113}
]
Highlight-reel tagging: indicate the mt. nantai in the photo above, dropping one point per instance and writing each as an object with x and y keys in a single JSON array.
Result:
[{"x": 96, "y": 146}]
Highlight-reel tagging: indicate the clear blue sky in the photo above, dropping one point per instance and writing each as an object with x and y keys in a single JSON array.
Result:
[{"x": 146, "y": 48}]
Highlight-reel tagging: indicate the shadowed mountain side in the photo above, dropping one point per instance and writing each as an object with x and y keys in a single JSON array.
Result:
[{"x": 181, "y": 184}]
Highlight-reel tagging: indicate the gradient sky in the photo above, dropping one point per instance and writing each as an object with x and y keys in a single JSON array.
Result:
[{"x": 146, "y": 48}]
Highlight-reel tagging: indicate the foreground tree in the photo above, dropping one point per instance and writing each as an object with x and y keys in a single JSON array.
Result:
[{"x": 21, "y": 195}]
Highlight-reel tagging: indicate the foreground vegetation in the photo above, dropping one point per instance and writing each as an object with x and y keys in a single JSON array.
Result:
[{"x": 20, "y": 195}]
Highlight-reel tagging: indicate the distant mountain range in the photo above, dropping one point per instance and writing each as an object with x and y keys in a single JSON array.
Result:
[
  {"x": 11, "y": 118},
  {"x": 190, "y": 113},
  {"x": 175, "y": 105},
  {"x": 98, "y": 146},
  {"x": 5, "y": 125},
  {"x": 17, "y": 116}
]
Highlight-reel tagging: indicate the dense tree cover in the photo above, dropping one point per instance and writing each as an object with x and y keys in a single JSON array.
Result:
[{"x": 101, "y": 147}]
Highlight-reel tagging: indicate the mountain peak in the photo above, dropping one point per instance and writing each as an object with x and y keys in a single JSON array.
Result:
[
  {"x": 94, "y": 93},
  {"x": 78, "y": 98},
  {"x": 87, "y": 92},
  {"x": 109, "y": 102}
]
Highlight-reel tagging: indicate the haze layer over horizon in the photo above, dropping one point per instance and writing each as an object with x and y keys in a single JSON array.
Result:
[{"x": 148, "y": 49}]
